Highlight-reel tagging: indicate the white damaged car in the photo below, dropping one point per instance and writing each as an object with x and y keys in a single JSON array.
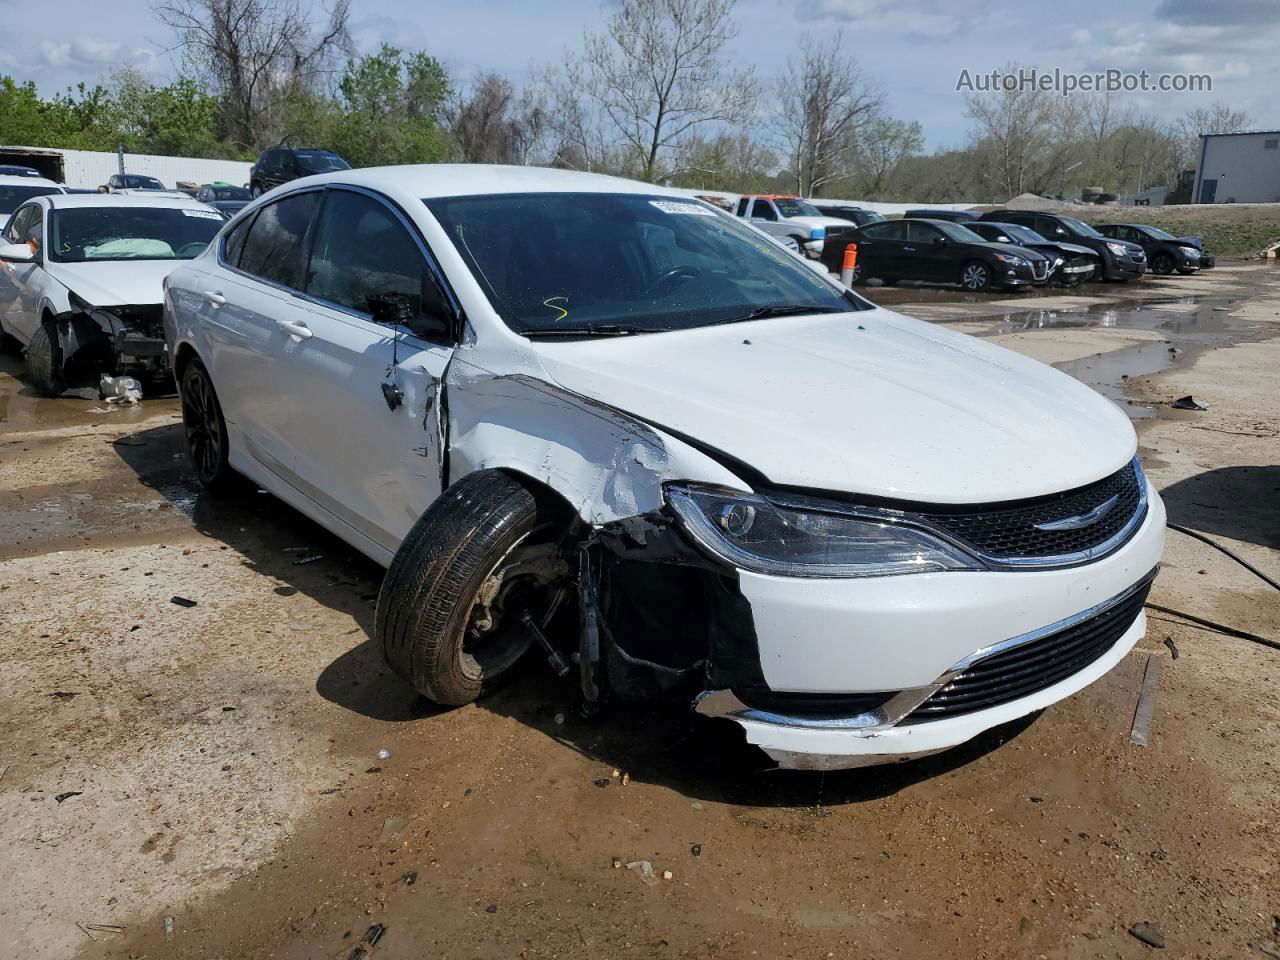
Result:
[
  {"x": 598, "y": 422},
  {"x": 80, "y": 280}
]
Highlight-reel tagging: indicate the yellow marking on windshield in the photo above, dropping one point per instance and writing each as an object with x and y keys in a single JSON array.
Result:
[{"x": 555, "y": 306}]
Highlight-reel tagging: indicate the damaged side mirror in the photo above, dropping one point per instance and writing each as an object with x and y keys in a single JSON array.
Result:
[
  {"x": 399, "y": 309},
  {"x": 17, "y": 252}
]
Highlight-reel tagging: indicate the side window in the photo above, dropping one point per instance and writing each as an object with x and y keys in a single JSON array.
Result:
[
  {"x": 362, "y": 250},
  {"x": 893, "y": 230},
  {"x": 274, "y": 247},
  {"x": 764, "y": 210},
  {"x": 20, "y": 226},
  {"x": 922, "y": 232},
  {"x": 233, "y": 242},
  {"x": 742, "y": 206},
  {"x": 1048, "y": 228}
]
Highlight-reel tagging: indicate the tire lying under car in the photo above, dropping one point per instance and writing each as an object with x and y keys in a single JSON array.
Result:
[{"x": 450, "y": 611}]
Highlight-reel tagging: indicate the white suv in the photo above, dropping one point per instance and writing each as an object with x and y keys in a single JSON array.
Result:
[{"x": 602, "y": 423}]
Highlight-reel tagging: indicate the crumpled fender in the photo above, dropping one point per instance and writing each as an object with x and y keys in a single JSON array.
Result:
[{"x": 606, "y": 464}]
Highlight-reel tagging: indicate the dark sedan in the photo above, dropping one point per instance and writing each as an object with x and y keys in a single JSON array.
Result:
[
  {"x": 225, "y": 197},
  {"x": 1121, "y": 260},
  {"x": 1073, "y": 263},
  {"x": 955, "y": 216},
  {"x": 942, "y": 252},
  {"x": 1165, "y": 252}
]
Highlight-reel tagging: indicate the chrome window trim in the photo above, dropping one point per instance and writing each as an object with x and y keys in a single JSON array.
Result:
[{"x": 725, "y": 703}]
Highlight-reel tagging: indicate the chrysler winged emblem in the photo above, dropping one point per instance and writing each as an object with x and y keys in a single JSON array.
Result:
[{"x": 1081, "y": 521}]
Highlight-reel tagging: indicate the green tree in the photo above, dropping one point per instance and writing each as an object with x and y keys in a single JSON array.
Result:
[{"x": 390, "y": 106}]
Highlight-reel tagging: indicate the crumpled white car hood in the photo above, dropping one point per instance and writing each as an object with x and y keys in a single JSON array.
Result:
[
  {"x": 870, "y": 403},
  {"x": 113, "y": 283}
]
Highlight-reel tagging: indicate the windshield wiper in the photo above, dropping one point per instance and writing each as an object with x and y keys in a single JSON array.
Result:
[
  {"x": 603, "y": 330},
  {"x": 781, "y": 310}
]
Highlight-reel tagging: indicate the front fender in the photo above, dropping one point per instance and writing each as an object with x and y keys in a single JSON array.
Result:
[{"x": 607, "y": 464}]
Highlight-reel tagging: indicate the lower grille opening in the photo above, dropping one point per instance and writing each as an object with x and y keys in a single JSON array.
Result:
[
  {"x": 813, "y": 704},
  {"x": 1034, "y": 666}
]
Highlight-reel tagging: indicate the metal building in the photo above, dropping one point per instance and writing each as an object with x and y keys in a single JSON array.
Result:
[{"x": 1238, "y": 168}]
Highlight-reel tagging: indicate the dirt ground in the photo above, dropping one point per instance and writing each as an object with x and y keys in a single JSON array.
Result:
[{"x": 206, "y": 781}]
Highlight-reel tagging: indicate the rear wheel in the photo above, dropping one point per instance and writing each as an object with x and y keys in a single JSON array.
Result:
[
  {"x": 481, "y": 564},
  {"x": 44, "y": 361},
  {"x": 206, "y": 430},
  {"x": 1162, "y": 264},
  {"x": 976, "y": 276}
]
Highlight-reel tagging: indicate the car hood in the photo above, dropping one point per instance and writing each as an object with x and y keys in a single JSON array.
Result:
[
  {"x": 1194, "y": 240},
  {"x": 869, "y": 403},
  {"x": 1013, "y": 250},
  {"x": 114, "y": 283},
  {"x": 821, "y": 222},
  {"x": 1074, "y": 249}
]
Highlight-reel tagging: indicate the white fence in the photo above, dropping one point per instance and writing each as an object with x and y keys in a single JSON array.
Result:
[{"x": 87, "y": 168}]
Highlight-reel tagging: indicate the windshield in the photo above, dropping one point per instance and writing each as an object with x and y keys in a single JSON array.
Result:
[
  {"x": 134, "y": 182},
  {"x": 958, "y": 233},
  {"x": 1080, "y": 227},
  {"x": 791, "y": 207},
  {"x": 1023, "y": 234},
  {"x": 1156, "y": 232},
  {"x": 229, "y": 193},
  {"x": 630, "y": 262},
  {"x": 12, "y": 196},
  {"x": 320, "y": 161},
  {"x": 130, "y": 233}
]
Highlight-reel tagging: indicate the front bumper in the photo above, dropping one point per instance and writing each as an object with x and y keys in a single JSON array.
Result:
[
  {"x": 908, "y": 634},
  {"x": 1125, "y": 268}
]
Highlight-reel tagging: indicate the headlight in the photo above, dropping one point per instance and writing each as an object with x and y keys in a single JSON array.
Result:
[
  {"x": 818, "y": 233},
  {"x": 1119, "y": 249},
  {"x": 1190, "y": 252},
  {"x": 1013, "y": 261},
  {"x": 806, "y": 540}
]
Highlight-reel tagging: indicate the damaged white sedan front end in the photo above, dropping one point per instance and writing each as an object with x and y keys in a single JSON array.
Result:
[
  {"x": 81, "y": 281},
  {"x": 595, "y": 422}
]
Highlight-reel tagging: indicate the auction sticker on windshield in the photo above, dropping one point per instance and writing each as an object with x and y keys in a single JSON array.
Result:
[
  {"x": 675, "y": 206},
  {"x": 202, "y": 214}
]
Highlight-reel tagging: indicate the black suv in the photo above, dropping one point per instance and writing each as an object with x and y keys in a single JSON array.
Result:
[
  {"x": 282, "y": 164},
  {"x": 940, "y": 251},
  {"x": 855, "y": 215},
  {"x": 955, "y": 216},
  {"x": 1165, "y": 252},
  {"x": 1121, "y": 260},
  {"x": 1074, "y": 263}
]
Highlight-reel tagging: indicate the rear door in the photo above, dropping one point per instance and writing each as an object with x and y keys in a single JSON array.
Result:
[
  {"x": 249, "y": 307},
  {"x": 925, "y": 258},
  {"x": 362, "y": 397},
  {"x": 880, "y": 249}
]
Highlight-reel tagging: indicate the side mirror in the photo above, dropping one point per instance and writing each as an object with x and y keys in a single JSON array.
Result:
[
  {"x": 939, "y": 241},
  {"x": 104, "y": 189},
  {"x": 402, "y": 310},
  {"x": 17, "y": 252}
]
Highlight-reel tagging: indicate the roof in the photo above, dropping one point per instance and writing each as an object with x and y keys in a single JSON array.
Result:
[
  {"x": 1244, "y": 133},
  {"x": 470, "y": 179},
  {"x": 68, "y": 201},
  {"x": 13, "y": 179}
]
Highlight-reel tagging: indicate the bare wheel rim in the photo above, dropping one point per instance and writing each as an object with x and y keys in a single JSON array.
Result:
[
  {"x": 975, "y": 276},
  {"x": 204, "y": 431},
  {"x": 525, "y": 579}
]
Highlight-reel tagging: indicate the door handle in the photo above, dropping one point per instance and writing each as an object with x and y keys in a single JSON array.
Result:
[
  {"x": 299, "y": 330},
  {"x": 215, "y": 298},
  {"x": 909, "y": 249}
]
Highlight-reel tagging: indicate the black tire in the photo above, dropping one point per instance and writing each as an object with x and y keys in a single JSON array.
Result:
[
  {"x": 425, "y": 617},
  {"x": 44, "y": 361},
  {"x": 206, "y": 430},
  {"x": 1162, "y": 264},
  {"x": 975, "y": 276}
]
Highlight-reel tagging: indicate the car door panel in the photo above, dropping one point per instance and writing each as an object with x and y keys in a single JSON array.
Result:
[{"x": 27, "y": 282}]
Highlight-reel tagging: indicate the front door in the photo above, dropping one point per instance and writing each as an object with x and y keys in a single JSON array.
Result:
[
  {"x": 23, "y": 282},
  {"x": 363, "y": 397}
]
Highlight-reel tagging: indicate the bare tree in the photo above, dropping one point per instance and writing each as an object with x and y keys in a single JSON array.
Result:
[
  {"x": 657, "y": 75},
  {"x": 256, "y": 53},
  {"x": 881, "y": 148},
  {"x": 1015, "y": 134},
  {"x": 1187, "y": 130},
  {"x": 824, "y": 100},
  {"x": 481, "y": 121}
]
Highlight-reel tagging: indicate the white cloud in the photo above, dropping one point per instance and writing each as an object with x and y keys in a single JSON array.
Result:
[{"x": 931, "y": 18}]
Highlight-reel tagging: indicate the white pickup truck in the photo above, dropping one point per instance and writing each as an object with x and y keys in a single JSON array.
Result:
[{"x": 793, "y": 221}]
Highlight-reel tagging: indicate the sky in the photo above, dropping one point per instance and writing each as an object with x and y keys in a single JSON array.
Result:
[{"x": 915, "y": 49}]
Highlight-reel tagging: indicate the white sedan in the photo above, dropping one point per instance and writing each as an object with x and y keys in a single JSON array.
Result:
[
  {"x": 80, "y": 280},
  {"x": 17, "y": 189},
  {"x": 603, "y": 423}
]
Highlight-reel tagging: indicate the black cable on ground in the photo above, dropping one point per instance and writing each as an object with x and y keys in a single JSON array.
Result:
[
  {"x": 1217, "y": 546},
  {"x": 1210, "y": 625}
]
